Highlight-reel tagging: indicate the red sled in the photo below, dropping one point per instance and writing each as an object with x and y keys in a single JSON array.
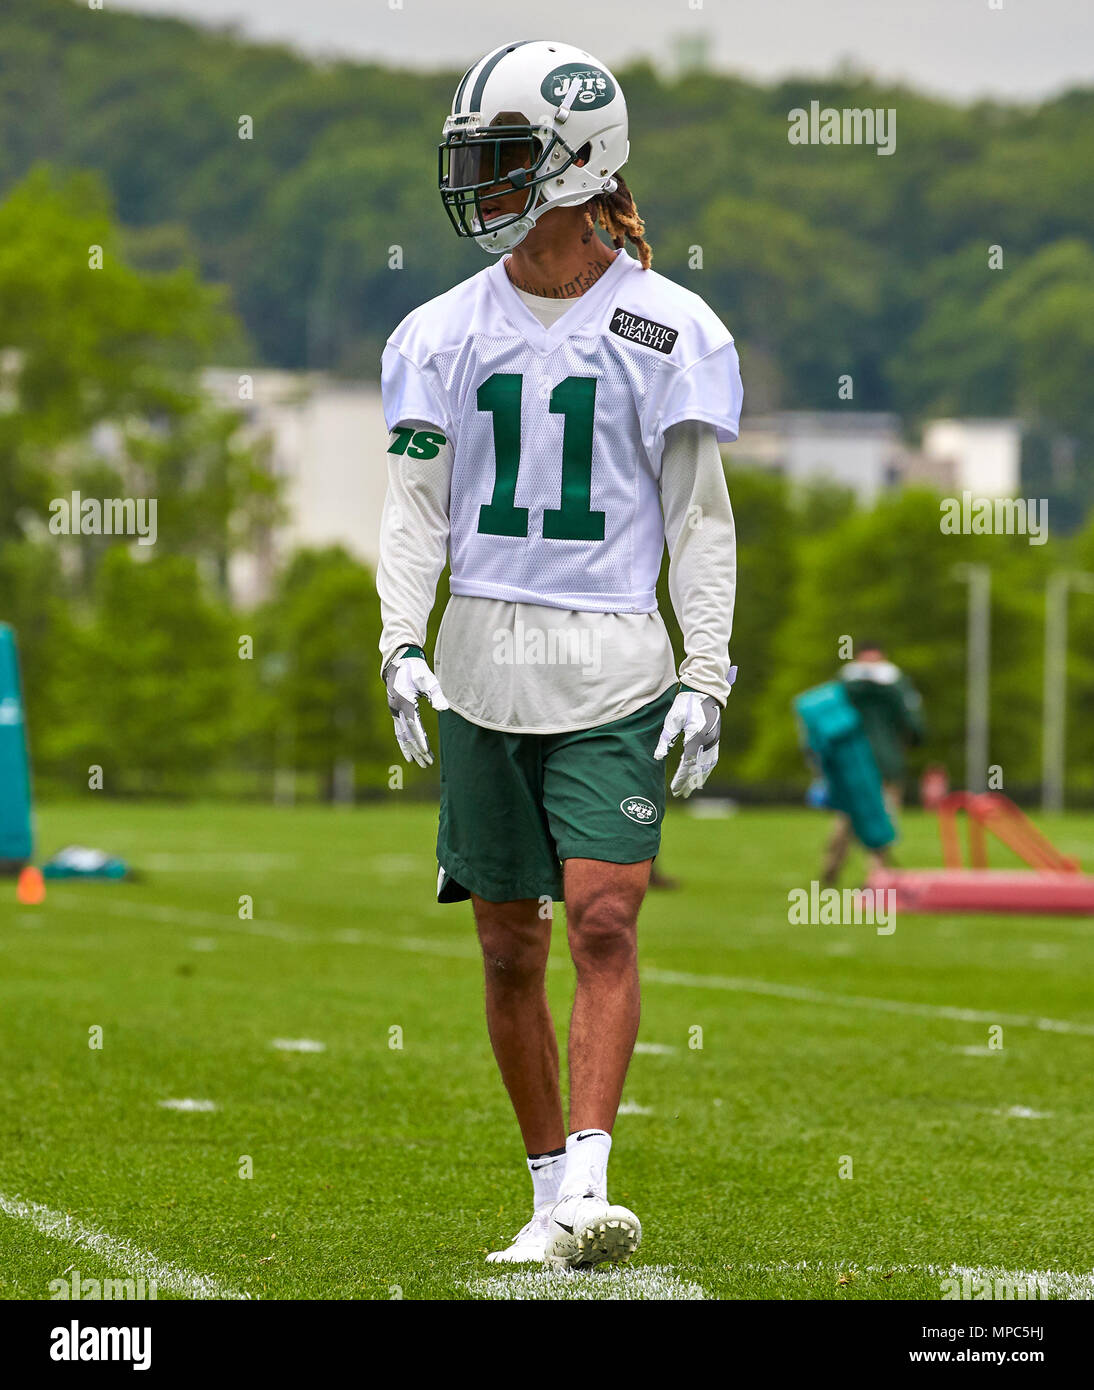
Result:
[{"x": 1053, "y": 884}]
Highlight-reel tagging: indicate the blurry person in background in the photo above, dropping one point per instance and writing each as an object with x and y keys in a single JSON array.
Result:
[{"x": 891, "y": 711}]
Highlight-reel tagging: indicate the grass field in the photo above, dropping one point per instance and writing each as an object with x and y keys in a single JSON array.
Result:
[{"x": 379, "y": 1169}]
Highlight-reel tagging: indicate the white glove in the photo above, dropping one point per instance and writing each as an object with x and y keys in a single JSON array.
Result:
[
  {"x": 699, "y": 718},
  {"x": 407, "y": 676}
]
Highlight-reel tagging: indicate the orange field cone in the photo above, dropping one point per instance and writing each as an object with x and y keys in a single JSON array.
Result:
[{"x": 31, "y": 887}]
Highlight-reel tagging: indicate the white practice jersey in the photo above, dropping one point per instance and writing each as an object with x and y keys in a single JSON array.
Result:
[{"x": 558, "y": 430}]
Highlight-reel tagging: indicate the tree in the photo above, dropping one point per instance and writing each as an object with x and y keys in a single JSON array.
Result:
[
  {"x": 128, "y": 659},
  {"x": 158, "y": 674},
  {"x": 81, "y": 345},
  {"x": 318, "y": 661}
]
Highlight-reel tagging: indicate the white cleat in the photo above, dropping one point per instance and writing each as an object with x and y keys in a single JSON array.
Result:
[
  {"x": 588, "y": 1231},
  {"x": 528, "y": 1244}
]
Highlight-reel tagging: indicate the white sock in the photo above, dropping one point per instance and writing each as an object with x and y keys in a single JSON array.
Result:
[
  {"x": 546, "y": 1170},
  {"x": 587, "y": 1153}
]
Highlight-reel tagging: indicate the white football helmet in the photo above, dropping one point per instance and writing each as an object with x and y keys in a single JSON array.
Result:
[{"x": 521, "y": 119}]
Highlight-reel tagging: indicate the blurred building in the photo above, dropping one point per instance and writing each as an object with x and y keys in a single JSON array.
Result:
[
  {"x": 866, "y": 452},
  {"x": 862, "y": 451},
  {"x": 983, "y": 457},
  {"x": 327, "y": 446}
]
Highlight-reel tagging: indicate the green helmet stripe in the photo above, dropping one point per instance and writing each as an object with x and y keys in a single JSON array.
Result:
[{"x": 459, "y": 89}]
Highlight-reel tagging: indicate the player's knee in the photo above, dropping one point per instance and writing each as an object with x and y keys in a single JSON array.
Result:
[
  {"x": 514, "y": 952},
  {"x": 602, "y": 931}
]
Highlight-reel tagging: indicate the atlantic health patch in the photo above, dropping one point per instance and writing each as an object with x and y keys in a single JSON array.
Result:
[{"x": 643, "y": 331}]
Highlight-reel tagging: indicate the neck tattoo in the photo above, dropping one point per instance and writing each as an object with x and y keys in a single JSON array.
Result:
[{"x": 583, "y": 280}]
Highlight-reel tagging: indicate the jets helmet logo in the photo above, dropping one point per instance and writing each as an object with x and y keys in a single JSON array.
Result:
[{"x": 595, "y": 88}]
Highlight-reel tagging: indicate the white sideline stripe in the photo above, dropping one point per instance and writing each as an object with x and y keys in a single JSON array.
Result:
[
  {"x": 137, "y": 1263},
  {"x": 1022, "y": 1112},
  {"x": 425, "y": 946},
  {"x": 1060, "y": 1282},
  {"x": 298, "y": 1045},
  {"x": 194, "y": 917},
  {"x": 188, "y": 1105},
  {"x": 630, "y": 1107},
  {"x": 655, "y": 1049},
  {"x": 655, "y": 1282},
  {"x": 805, "y": 995},
  {"x": 227, "y": 922}
]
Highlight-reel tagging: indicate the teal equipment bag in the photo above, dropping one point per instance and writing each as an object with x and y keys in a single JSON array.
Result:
[
  {"x": 833, "y": 732},
  {"x": 77, "y": 862},
  {"x": 16, "y": 840}
]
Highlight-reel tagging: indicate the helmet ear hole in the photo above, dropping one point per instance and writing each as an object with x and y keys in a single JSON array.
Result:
[{"x": 584, "y": 154}]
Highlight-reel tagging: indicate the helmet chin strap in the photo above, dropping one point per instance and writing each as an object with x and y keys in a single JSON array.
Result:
[
  {"x": 508, "y": 238},
  {"x": 562, "y": 112}
]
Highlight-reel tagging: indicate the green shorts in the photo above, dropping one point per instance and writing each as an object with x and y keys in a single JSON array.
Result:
[{"x": 514, "y": 805}]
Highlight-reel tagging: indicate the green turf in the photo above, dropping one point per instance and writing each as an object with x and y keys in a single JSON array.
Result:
[{"x": 380, "y": 1169}]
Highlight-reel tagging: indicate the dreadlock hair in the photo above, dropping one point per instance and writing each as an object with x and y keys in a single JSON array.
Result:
[{"x": 617, "y": 214}]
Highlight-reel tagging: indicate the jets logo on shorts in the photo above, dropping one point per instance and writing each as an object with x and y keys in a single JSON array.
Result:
[{"x": 639, "y": 809}]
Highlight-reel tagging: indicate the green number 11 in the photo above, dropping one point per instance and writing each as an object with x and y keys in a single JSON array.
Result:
[{"x": 574, "y": 519}]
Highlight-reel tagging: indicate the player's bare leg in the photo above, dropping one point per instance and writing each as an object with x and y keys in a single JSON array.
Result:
[
  {"x": 515, "y": 943},
  {"x": 602, "y": 902},
  {"x": 839, "y": 844}
]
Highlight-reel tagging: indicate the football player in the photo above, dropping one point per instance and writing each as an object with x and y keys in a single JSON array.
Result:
[
  {"x": 555, "y": 421},
  {"x": 891, "y": 710}
]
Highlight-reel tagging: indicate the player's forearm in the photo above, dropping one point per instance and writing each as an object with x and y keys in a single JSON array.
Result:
[
  {"x": 702, "y": 545},
  {"x": 413, "y": 547},
  {"x": 405, "y": 605}
]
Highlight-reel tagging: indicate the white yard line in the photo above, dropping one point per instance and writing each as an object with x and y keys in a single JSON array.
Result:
[
  {"x": 193, "y": 917},
  {"x": 805, "y": 995},
  {"x": 654, "y": 1282},
  {"x": 1059, "y": 1283},
  {"x": 130, "y": 1258},
  {"x": 802, "y": 994}
]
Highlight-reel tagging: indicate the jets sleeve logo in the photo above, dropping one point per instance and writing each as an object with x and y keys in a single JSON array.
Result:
[
  {"x": 420, "y": 444},
  {"x": 644, "y": 331}
]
